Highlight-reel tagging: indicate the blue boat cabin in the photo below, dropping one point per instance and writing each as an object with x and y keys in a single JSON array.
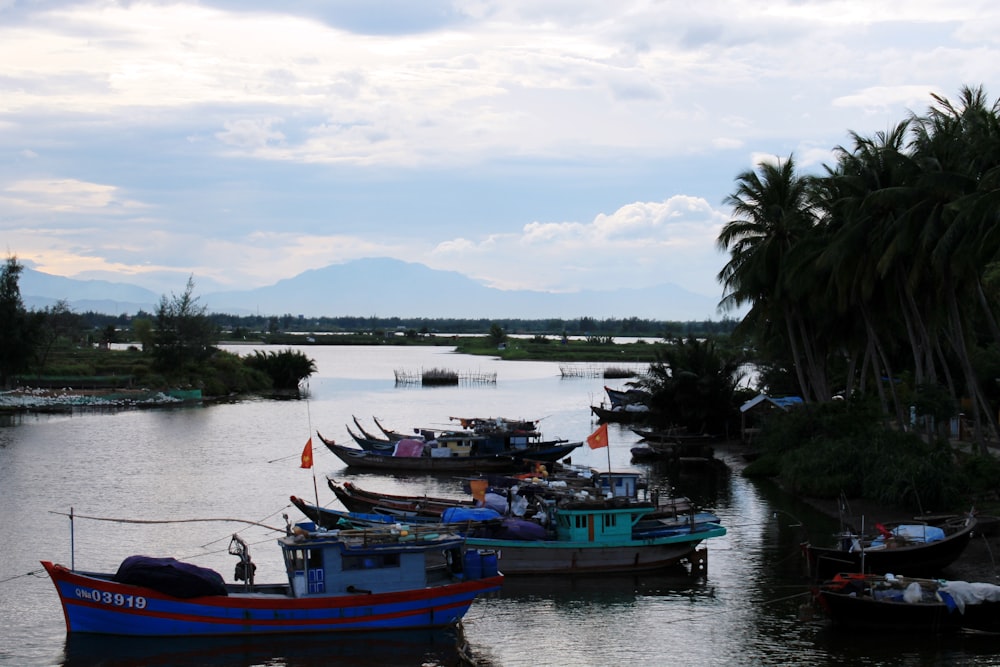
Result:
[{"x": 343, "y": 562}]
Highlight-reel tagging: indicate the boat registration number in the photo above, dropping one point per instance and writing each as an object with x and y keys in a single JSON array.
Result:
[{"x": 115, "y": 599}]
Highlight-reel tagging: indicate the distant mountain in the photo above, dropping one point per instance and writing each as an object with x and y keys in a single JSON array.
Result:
[
  {"x": 383, "y": 288},
  {"x": 42, "y": 290}
]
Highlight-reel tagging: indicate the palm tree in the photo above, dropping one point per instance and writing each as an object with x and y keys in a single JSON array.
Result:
[
  {"x": 693, "y": 383},
  {"x": 857, "y": 203},
  {"x": 773, "y": 213},
  {"x": 957, "y": 147}
]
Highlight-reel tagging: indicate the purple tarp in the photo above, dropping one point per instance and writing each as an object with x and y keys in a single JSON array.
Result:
[{"x": 409, "y": 447}]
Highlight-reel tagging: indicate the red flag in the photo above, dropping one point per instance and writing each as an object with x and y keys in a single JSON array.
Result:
[
  {"x": 598, "y": 438},
  {"x": 307, "y": 454}
]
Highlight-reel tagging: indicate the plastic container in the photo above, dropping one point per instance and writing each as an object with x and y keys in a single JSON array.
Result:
[
  {"x": 488, "y": 561},
  {"x": 473, "y": 565}
]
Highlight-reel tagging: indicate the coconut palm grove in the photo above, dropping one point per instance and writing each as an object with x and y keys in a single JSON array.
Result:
[{"x": 877, "y": 282}]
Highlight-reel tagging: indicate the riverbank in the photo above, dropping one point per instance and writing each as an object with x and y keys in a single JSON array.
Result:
[
  {"x": 67, "y": 399},
  {"x": 979, "y": 562}
]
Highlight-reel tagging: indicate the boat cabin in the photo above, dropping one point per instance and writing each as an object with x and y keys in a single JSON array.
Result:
[
  {"x": 591, "y": 524},
  {"x": 619, "y": 484},
  {"x": 336, "y": 562},
  {"x": 453, "y": 443}
]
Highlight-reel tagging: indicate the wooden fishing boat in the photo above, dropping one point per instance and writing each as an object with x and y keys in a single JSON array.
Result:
[
  {"x": 674, "y": 435},
  {"x": 619, "y": 397},
  {"x": 596, "y": 537},
  {"x": 390, "y": 434},
  {"x": 620, "y": 485},
  {"x": 449, "y": 458},
  {"x": 622, "y": 414},
  {"x": 872, "y": 603},
  {"x": 903, "y": 549},
  {"x": 337, "y": 519},
  {"x": 478, "y": 437},
  {"x": 356, "y": 499},
  {"x": 485, "y": 520},
  {"x": 338, "y": 581},
  {"x": 369, "y": 444}
]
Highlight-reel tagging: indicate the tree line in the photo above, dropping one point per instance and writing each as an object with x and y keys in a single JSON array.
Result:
[
  {"x": 879, "y": 276},
  {"x": 179, "y": 346}
]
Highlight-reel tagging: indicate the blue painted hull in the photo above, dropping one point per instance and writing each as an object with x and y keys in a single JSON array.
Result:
[{"x": 95, "y": 605}]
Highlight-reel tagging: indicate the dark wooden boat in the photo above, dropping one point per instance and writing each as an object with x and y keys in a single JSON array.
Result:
[
  {"x": 390, "y": 434},
  {"x": 367, "y": 443},
  {"x": 986, "y": 524},
  {"x": 511, "y": 460},
  {"x": 619, "y": 397},
  {"x": 396, "y": 437},
  {"x": 625, "y": 414},
  {"x": 678, "y": 435},
  {"x": 383, "y": 446},
  {"x": 356, "y": 499},
  {"x": 904, "y": 553},
  {"x": 482, "y": 436},
  {"x": 869, "y": 603}
]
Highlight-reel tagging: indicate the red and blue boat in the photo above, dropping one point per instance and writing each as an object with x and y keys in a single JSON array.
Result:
[{"x": 338, "y": 581}]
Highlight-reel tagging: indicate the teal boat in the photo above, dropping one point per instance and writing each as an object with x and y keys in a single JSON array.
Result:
[
  {"x": 587, "y": 537},
  {"x": 599, "y": 538}
]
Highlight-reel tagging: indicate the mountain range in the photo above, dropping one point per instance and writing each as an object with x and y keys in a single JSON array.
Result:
[{"x": 380, "y": 287}]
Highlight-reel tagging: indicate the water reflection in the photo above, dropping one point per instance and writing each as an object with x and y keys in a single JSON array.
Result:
[
  {"x": 607, "y": 591},
  {"x": 241, "y": 460},
  {"x": 418, "y": 647}
]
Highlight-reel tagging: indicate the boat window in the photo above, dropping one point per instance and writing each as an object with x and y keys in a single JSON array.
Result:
[
  {"x": 370, "y": 561},
  {"x": 610, "y": 520},
  {"x": 304, "y": 559}
]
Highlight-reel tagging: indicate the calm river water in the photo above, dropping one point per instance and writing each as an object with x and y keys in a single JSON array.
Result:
[{"x": 240, "y": 461}]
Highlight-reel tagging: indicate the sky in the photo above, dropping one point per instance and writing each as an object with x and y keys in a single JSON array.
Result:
[{"x": 553, "y": 145}]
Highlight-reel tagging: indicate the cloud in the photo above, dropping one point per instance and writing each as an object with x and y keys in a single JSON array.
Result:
[
  {"x": 66, "y": 196},
  {"x": 548, "y": 144},
  {"x": 639, "y": 244},
  {"x": 250, "y": 133}
]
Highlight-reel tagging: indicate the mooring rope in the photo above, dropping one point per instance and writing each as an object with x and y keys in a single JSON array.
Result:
[
  {"x": 156, "y": 521},
  {"x": 33, "y": 573}
]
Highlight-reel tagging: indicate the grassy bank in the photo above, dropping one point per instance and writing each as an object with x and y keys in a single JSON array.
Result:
[{"x": 554, "y": 349}]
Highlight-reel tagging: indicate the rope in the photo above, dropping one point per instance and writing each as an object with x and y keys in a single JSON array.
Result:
[
  {"x": 226, "y": 537},
  {"x": 33, "y": 573},
  {"x": 156, "y": 521}
]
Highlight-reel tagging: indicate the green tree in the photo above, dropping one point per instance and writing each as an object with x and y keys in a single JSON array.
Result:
[
  {"x": 19, "y": 329},
  {"x": 185, "y": 336},
  {"x": 142, "y": 329},
  {"x": 109, "y": 335},
  {"x": 693, "y": 384},
  {"x": 287, "y": 369},
  {"x": 58, "y": 324},
  {"x": 497, "y": 335}
]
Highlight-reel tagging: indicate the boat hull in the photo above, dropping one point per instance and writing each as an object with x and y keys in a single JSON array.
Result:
[
  {"x": 94, "y": 605},
  {"x": 651, "y": 551},
  {"x": 357, "y": 458},
  {"x": 918, "y": 560},
  {"x": 575, "y": 558},
  {"x": 863, "y": 613}
]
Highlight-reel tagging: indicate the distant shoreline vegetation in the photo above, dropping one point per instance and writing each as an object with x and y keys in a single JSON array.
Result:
[{"x": 259, "y": 328}]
